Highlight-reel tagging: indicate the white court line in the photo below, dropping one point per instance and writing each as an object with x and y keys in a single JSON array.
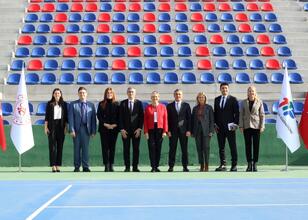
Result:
[
  {"x": 44, "y": 206},
  {"x": 174, "y": 206}
]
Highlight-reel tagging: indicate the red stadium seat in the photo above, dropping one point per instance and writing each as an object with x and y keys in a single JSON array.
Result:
[
  {"x": 244, "y": 28},
  {"x": 70, "y": 52},
  {"x": 180, "y": 7},
  {"x": 58, "y": 28},
  {"x": 103, "y": 28},
  {"x": 252, "y": 7},
  {"x": 119, "y": 65},
  {"x": 35, "y": 65},
  {"x": 92, "y": 0},
  {"x": 104, "y": 17},
  {"x": 34, "y": 8},
  {"x": 77, "y": 0},
  {"x": 198, "y": 28},
  {"x": 204, "y": 65},
  {"x": 224, "y": 7},
  {"x": 209, "y": 7},
  {"x": 36, "y": 1},
  {"x": 149, "y": 28},
  {"x": 196, "y": 17},
  {"x": 267, "y": 51},
  {"x": 118, "y": 39},
  {"x": 120, "y": 7},
  {"x": 263, "y": 39},
  {"x": 24, "y": 40},
  {"x": 149, "y": 17},
  {"x": 61, "y": 17},
  {"x": 241, "y": 17},
  {"x": 164, "y": 7},
  {"x": 267, "y": 7},
  {"x": 133, "y": 52},
  {"x": 71, "y": 40},
  {"x": 48, "y": 7},
  {"x": 216, "y": 39},
  {"x": 272, "y": 64},
  {"x": 91, "y": 7},
  {"x": 76, "y": 7},
  {"x": 134, "y": 7},
  {"x": 165, "y": 39},
  {"x": 202, "y": 51}
]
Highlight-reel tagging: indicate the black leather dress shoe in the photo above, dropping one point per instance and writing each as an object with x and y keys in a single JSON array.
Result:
[
  {"x": 170, "y": 169},
  {"x": 157, "y": 170},
  {"x": 233, "y": 168},
  {"x": 254, "y": 167},
  {"x": 249, "y": 167},
  {"x": 76, "y": 169},
  {"x": 136, "y": 169},
  {"x": 153, "y": 170},
  {"x": 86, "y": 169},
  {"x": 185, "y": 169},
  {"x": 221, "y": 168},
  {"x": 127, "y": 169},
  {"x": 111, "y": 168}
]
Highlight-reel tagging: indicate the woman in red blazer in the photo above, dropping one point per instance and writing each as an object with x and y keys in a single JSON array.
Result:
[{"x": 155, "y": 128}]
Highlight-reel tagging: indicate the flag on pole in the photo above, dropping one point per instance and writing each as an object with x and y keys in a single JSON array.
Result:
[
  {"x": 2, "y": 134},
  {"x": 286, "y": 125},
  {"x": 303, "y": 125},
  {"x": 21, "y": 130}
]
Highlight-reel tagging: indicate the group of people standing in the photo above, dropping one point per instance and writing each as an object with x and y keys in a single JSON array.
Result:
[{"x": 176, "y": 121}]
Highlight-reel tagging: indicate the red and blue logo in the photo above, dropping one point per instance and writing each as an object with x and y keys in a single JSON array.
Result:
[{"x": 287, "y": 107}]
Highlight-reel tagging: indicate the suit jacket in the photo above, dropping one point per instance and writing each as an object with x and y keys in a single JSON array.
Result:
[
  {"x": 109, "y": 115},
  {"x": 131, "y": 121},
  {"x": 50, "y": 114},
  {"x": 181, "y": 120},
  {"x": 254, "y": 118},
  {"x": 207, "y": 123},
  {"x": 74, "y": 117},
  {"x": 162, "y": 118},
  {"x": 228, "y": 114}
]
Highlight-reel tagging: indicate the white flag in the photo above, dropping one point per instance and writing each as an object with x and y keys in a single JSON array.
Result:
[
  {"x": 286, "y": 125},
  {"x": 21, "y": 130}
]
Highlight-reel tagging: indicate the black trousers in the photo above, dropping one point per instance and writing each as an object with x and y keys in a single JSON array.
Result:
[
  {"x": 221, "y": 137},
  {"x": 55, "y": 141},
  {"x": 252, "y": 141},
  {"x": 173, "y": 141},
  {"x": 154, "y": 143},
  {"x": 126, "y": 145},
  {"x": 108, "y": 143}
]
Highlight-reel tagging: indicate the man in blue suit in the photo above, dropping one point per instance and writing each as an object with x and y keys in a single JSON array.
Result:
[{"x": 82, "y": 126}]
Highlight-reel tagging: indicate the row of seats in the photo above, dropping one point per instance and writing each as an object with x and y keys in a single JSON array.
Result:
[
  {"x": 152, "y": 64},
  {"x": 149, "y": 51},
  {"x": 147, "y": 7},
  {"x": 7, "y": 108},
  {"x": 39, "y": 1},
  {"x": 150, "y": 39},
  {"x": 151, "y": 78},
  {"x": 150, "y": 17},
  {"x": 151, "y": 28}
]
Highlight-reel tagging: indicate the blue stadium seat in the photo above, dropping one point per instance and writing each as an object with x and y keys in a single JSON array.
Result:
[
  {"x": 31, "y": 18},
  {"x": 270, "y": 121},
  {"x": 6, "y": 122},
  {"x": 238, "y": 7},
  {"x": 74, "y": 17},
  {"x": 32, "y": 79},
  {"x": 252, "y": 52},
  {"x": 180, "y": 17},
  {"x": 236, "y": 51},
  {"x": 102, "y": 52},
  {"x": 211, "y": 17},
  {"x": 118, "y": 28},
  {"x": 149, "y": 39},
  {"x": 265, "y": 107},
  {"x": 133, "y": 28},
  {"x": 84, "y": 78},
  {"x": 101, "y": 65},
  {"x": 153, "y": 78},
  {"x": 182, "y": 39},
  {"x": 259, "y": 28},
  {"x": 274, "y": 28},
  {"x": 134, "y": 64},
  {"x": 48, "y": 79},
  {"x": 85, "y": 65},
  {"x": 224, "y": 78},
  {"x": 22, "y": 52},
  {"x": 53, "y": 52},
  {"x": 260, "y": 78},
  {"x": 46, "y": 18},
  {"x": 256, "y": 64},
  {"x": 270, "y": 17},
  {"x": 7, "y": 108},
  {"x": 195, "y": 7},
  {"x": 105, "y": 7},
  {"x": 62, "y": 7},
  {"x": 222, "y": 64},
  {"x": 39, "y": 122},
  {"x": 279, "y": 39},
  {"x": 118, "y": 17},
  {"x": 171, "y": 78},
  {"x": 135, "y": 78},
  {"x": 165, "y": 28},
  {"x": 207, "y": 78},
  {"x": 229, "y": 28},
  {"x": 248, "y": 39},
  {"x": 51, "y": 65},
  {"x": 86, "y": 40},
  {"x": 233, "y": 39},
  {"x": 101, "y": 78},
  {"x": 85, "y": 52},
  {"x": 284, "y": 51},
  {"x": 200, "y": 39},
  {"x": 43, "y": 28},
  {"x": 181, "y": 28},
  {"x": 66, "y": 78},
  {"x": 150, "y": 52},
  {"x": 133, "y": 17},
  {"x": 149, "y": 7},
  {"x": 295, "y": 78},
  {"x": 213, "y": 28},
  {"x": 255, "y": 17},
  {"x": 305, "y": 7},
  {"x": 68, "y": 65},
  {"x": 118, "y": 78},
  {"x": 41, "y": 108},
  {"x": 166, "y": 51},
  {"x": 17, "y": 65},
  {"x": 219, "y": 51},
  {"x": 164, "y": 17},
  {"x": 103, "y": 39},
  {"x": 290, "y": 64},
  {"x": 184, "y": 51},
  {"x": 38, "y": 52},
  {"x": 151, "y": 64},
  {"x": 87, "y": 28},
  {"x": 298, "y": 107},
  {"x": 28, "y": 29},
  {"x": 186, "y": 64},
  {"x": 55, "y": 40},
  {"x": 133, "y": 39},
  {"x": 13, "y": 79},
  {"x": 188, "y": 78},
  {"x": 118, "y": 52},
  {"x": 226, "y": 17},
  {"x": 72, "y": 28},
  {"x": 277, "y": 78},
  {"x": 239, "y": 64},
  {"x": 275, "y": 107},
  {"x": 39, "y": 40},
  {"x": 242, "y": 78},
  {"x": 168, "y": 64}
]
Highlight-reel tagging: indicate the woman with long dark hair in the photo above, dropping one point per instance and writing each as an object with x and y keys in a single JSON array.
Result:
[
  {"x": 108, "y": 116},
  {"x": 55, "y": 127}
]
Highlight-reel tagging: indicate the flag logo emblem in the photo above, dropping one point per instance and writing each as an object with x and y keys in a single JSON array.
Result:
[
  {"x": 20, "y": 116},
  {"x": 287, "y": 107}
]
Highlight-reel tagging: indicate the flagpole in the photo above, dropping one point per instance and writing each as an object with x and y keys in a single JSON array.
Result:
[
  {"x": 19, "y": 167},
  {"x": 287, "y": 160}
]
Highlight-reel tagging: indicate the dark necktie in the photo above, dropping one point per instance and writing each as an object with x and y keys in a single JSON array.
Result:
[
  {"x": 223, "y": 102},
  {"x": 83, "y": 113},
  {"x": 130, "y": 106}
]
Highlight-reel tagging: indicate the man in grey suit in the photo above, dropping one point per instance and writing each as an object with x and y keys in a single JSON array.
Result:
[{"x": 82, "y": 126}]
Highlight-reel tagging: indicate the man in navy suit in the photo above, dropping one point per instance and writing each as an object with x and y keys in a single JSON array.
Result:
[{"x": 82, "y": 126}]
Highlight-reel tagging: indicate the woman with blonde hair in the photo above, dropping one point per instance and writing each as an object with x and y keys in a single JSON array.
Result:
[
  {"x": 251, "y": 123},
  {"x": 202, "y": 127}
]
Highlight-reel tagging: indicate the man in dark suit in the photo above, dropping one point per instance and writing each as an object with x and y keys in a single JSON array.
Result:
[
  {"x": 82, "y": 126},
  {"x": 130, "y": 125},
  {"x": 179, "y": 123},
  {"x": 226, "y": 114}
]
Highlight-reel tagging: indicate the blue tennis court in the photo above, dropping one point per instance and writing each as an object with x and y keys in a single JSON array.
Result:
[{"x": 280, "y": 198}]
